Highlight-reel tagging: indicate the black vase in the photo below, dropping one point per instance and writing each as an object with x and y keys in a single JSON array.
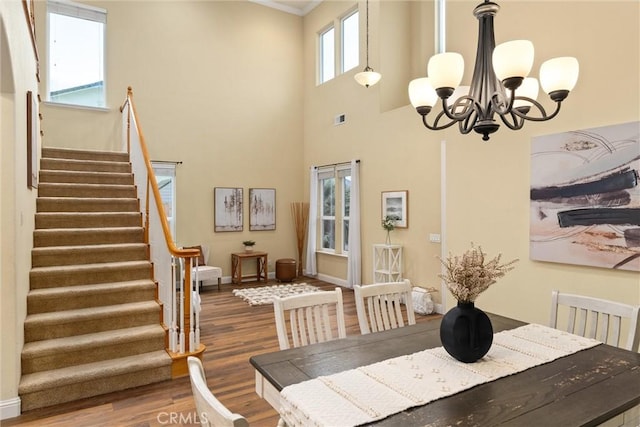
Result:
[{"x": 466, "y": 332}]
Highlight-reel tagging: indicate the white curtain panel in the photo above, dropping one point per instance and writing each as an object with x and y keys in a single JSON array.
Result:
[
  {"x": 354, "y": 263},
  {"x": 310, "y": 267}
]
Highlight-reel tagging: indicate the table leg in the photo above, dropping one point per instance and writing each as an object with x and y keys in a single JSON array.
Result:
[
  {"x": 262, "y": 267},
  {"x": 236, "y": 269}
]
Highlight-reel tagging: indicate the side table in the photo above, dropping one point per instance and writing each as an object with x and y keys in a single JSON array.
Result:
[{"x": 261, "y": 266}]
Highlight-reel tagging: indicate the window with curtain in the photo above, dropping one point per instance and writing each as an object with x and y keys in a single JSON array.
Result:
[
  {"x": 76, "y": 59},
  {"x": 334, "y": 190}
]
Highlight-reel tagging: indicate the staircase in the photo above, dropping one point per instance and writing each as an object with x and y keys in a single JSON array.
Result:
[{"x": 93, "y": 323}]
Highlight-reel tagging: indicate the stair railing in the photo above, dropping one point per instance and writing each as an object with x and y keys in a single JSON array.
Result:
[{"x": 172, "y": 266}]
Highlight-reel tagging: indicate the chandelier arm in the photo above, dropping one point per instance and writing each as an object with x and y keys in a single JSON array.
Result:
[
  {"x": 475, "y": 106},
  {"x": 540, "y": 108},
  {"x": 497, "y": 102},
  {"x": 435, "y": 125},
  {"x": 514, "y": 124}
]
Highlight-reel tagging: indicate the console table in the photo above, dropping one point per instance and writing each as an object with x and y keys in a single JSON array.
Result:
[{"x": 261, "y": 266}]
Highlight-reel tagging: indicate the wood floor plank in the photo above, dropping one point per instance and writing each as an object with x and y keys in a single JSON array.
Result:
[{"x": 233, "y": 331}]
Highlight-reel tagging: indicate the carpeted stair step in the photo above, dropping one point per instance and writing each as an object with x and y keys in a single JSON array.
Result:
[
  {"x": 76, "y": 382},
  {"x": 70, "y": 153},
  {"x": 48, "y": 300},
  {"x": 86, "y": 204},
  {"x": 87, "y": 219},
  {"x": 87, "y": 254},
  {"x": 85, "y": 274},
  {"x": 87, "y": 236},
  {"x": 84, "y": 165},
  {"x": 83, "y": 321},
  {"x": 49, "y": 189},
  {"x": 86, "y": 177},
  {"x": 59, "y": 353}
]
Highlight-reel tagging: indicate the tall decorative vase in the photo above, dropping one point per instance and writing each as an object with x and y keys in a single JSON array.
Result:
[
  {"x": 466, "y": 332},
  {"x": 388, "y": 241}
]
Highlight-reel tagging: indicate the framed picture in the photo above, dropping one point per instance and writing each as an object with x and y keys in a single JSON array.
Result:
[
  {"x": 32, "y": 141},
  {"x": 227, "y": 209},
  {"x": 584, "y": 197},
  {"x": 394, "y": 204},
  {"x": 262, "y": 209}
]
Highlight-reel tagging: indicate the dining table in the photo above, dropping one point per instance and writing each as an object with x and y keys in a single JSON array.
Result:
[{"x": 584, "y": 388}]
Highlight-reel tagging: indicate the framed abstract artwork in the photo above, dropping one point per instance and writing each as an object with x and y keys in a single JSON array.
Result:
[
  {"x": 227, "y": 209},
  {"x": 585, "y": 197},
  {"x": 394, "y": 204},
  {"x": 262, "y": 209}
]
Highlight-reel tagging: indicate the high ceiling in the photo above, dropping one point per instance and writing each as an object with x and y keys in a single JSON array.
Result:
[{"x": 297, "y": 7}]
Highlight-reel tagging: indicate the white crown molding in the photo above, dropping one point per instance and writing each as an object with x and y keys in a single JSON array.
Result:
[{"x": 308, "y": 6}]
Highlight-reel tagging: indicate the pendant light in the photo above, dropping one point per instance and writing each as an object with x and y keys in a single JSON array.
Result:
[{"x": 367, "y": 77}]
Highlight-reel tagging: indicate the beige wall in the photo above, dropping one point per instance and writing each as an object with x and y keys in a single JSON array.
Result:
[{"x": 17, "y": 202}]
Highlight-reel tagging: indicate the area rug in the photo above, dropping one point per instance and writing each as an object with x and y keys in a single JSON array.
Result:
[{"x": 265, "y": 294}]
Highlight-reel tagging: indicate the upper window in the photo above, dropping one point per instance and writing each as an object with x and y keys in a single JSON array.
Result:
[
  {"x": 76, "y": 35},
  {"x": 350, "y": 41},
  {"x": 327, "y": 55},
  {"x": 342, "y": 46}
]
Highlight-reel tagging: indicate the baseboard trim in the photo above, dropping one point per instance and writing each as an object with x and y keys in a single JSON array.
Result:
[
  {"x": 10, "y": 408},
  {"x": 332, "y": 280}
]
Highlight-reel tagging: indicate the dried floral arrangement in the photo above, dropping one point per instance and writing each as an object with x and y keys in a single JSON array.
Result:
[{"x": 469, "y": 275}]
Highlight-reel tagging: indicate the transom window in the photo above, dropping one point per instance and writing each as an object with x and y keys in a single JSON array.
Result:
[
  {"x": 76, "y": 46},
  {"x": 339, "y": 50}
]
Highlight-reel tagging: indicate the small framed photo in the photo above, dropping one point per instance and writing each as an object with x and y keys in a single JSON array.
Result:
[
  {"x": 395, "y": 204},
  {"x": 227, "y": 209},
  {"x": 262, "y": 209}
]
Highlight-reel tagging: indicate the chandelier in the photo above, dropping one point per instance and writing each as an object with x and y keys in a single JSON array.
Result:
[
  {"x": 367, "y": 77},
  {"x": 499, "y": 86}
]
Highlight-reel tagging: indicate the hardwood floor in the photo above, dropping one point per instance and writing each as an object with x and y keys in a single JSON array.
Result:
[{"x": 233, "y": 331}]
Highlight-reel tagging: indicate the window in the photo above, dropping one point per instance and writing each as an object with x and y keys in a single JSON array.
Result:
[
  {"x": 166, "y": 180},
  {"x": 350, "y": 42},
  {"x": 327, "y": 55},
  {"x": 346, "y": 43},
  {"x": 334, "y": 197},
  {"x": 76, "y": 35}
]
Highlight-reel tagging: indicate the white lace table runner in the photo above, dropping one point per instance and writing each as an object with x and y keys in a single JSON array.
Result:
[{"x": 373, "y": 392}]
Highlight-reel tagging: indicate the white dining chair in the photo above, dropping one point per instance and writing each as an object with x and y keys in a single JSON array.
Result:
[
  {"x": 211, "y": 412},
  {"x": 597, "y": 318},
  {"x": 379, "y": 306},
  {"x": 312, "y": 317}
]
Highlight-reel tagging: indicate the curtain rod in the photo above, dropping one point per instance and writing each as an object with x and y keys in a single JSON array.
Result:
[
  {"x": 166, "y": 161},
  {"x": 336, "y": 164}
]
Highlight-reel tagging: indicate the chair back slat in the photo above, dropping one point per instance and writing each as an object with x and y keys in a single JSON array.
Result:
[
  {"x": 310, "y": 318},
  {"x": 599, "y": 319},
  {"x": 210, "y": 411},
  {"x": 379, "y": 306}
]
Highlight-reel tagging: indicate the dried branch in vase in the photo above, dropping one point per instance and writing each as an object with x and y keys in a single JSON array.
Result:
[{"x": 471, "y": 274}]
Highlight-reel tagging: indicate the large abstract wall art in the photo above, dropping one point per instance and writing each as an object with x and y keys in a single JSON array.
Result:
[{"x": 585, "y": 197}]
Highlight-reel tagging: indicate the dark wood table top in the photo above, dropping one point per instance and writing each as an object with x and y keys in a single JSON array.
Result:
[{"x": 582, "y": 389}]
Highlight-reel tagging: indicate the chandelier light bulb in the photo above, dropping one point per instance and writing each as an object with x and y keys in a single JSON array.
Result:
[
  {"x": 529, "y": 88},
  {"x": 421, "y": 93},
  {"x": 445, "y": 70},
  {"x": 559, "y": 74},
  {"x": 513, "y": 59}
]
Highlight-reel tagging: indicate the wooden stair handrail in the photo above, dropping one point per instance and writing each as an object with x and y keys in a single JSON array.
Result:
[{"x": 173, "y": 249}]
